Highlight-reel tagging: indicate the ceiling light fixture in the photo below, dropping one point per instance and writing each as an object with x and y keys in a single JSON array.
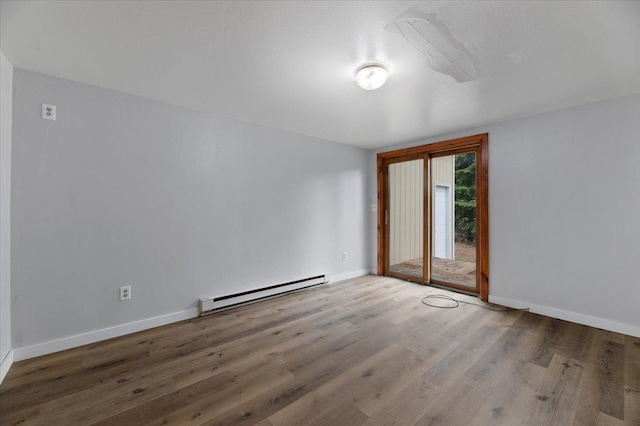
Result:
[{"x": 371, "y": 76}]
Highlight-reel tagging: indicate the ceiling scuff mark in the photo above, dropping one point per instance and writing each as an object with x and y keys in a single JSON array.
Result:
[{"x": 432, "y": 37}]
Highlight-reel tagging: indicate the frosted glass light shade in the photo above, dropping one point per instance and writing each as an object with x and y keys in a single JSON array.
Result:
[{"x": 371, "y": 77}]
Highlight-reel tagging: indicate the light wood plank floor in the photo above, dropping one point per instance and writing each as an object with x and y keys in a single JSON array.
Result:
[{"x": 360, "y": 352}]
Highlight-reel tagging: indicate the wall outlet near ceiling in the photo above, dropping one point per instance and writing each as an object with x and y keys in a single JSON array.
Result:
[
  {"x": 48, "y": 112},
  {"x": 125, "y": 292},
  {"x": 344, "y": 256}
]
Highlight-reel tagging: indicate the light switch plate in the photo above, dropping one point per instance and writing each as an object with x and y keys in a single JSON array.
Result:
[{"x": 48, "y": 112}]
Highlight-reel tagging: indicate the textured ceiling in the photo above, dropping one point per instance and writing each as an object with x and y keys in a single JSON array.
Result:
[{"x": 290, "y": 65}]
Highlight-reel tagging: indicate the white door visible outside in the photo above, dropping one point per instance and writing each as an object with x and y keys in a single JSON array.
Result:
[{"x": 442, "y": 227}]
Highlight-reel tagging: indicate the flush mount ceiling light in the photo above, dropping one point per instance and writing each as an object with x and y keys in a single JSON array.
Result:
[{"x": 371, "y": 76}]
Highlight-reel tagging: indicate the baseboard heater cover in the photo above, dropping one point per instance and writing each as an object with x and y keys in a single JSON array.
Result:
[{"x": 208, "y": 304}]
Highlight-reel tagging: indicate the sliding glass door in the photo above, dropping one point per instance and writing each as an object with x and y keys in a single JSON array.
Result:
[{"x": 433, "y": 227}]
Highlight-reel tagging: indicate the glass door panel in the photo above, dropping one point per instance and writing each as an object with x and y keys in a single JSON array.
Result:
[
  {"x": 406, "y": 219},
  {"x": 453, "y": 220}
]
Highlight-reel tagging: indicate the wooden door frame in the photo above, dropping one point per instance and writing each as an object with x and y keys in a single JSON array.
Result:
[{"x": 479, "y": 144}]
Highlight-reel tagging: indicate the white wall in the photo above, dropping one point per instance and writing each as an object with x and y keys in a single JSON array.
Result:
[
  {"x": 6, "y": 84},
  {"x": 563, "y": 240},
  {"x": 121, "y": 190}
]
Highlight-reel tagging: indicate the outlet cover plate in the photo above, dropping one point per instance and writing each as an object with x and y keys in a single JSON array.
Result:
[
  {"x": 48, "y": 112},
  {"x": 125, "y": 292}
]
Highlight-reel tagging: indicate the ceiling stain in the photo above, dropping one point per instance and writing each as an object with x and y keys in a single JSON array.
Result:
[{"x": 432, "y": 37}]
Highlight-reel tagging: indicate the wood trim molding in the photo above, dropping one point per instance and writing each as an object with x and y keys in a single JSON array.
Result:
[
  {"x": 426, "y": 261},
  {"x": 477, "y": 143},
  {"x": 437, "y": 147},
  {"x": 483, "y": 211},
  {"x": 381, "y": 216}
]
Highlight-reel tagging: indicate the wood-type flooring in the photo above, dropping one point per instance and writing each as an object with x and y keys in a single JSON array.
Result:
[{"x": 360, "y": 352}]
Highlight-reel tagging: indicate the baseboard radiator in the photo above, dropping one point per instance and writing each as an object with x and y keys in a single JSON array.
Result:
[{"x": 211, "y": 304}]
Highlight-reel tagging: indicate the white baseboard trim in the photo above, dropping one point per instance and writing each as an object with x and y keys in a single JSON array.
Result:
[
  {"x": 19, "y": 354},
  {"x": 373, "y": 271},
  {"x": 57, "y": 345},
  {"x": 605, "y": 324},
  {"x": 348, "y": 275},
  {"x": 6, "y": 365}
]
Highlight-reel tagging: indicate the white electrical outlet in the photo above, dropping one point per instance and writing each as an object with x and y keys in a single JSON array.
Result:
[
  {"x": 344, "y": 256},
  {"x": 374, "y": 207},
  {"x": 125, "y": 292},
  {"x": 48, "y": 112}
]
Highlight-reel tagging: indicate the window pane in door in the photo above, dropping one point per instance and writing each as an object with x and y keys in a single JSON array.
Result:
[
  {"x": 453, "y": 216},
  {"x": 406, "y": 218}
]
